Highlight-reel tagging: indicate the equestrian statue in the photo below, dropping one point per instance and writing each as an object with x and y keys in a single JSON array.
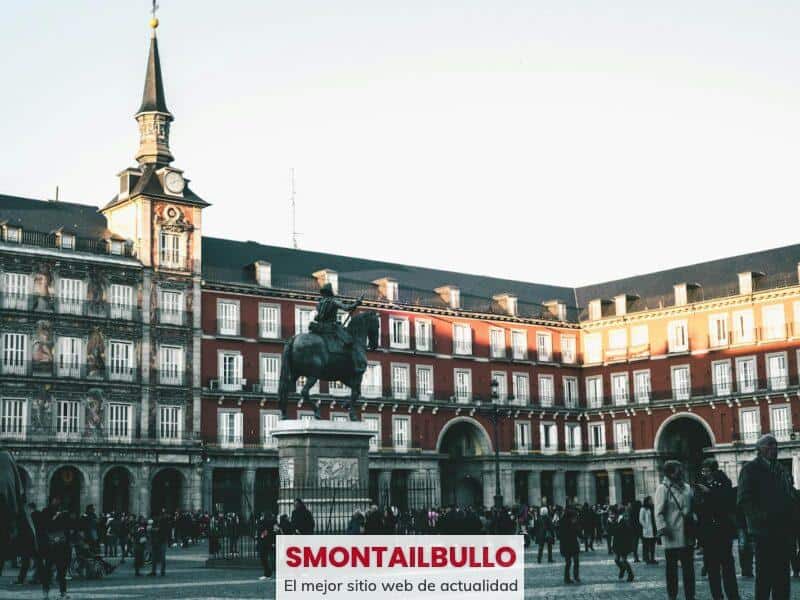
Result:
[
  {"x": 329, "y": 351},
  {"x": 16, "y": 527}
]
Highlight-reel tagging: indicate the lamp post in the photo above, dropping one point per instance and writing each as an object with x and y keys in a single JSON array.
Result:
[{"x": 495, "y": 414}]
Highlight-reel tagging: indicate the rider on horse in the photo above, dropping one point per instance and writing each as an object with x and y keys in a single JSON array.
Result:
[{"x": 327, "y": 324}]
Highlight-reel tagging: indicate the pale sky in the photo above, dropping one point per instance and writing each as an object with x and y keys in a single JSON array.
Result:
[{"x": 562, "y": 141}]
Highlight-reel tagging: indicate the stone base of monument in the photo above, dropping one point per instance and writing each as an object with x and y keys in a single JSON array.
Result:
[{"x": 326, "y": 464}]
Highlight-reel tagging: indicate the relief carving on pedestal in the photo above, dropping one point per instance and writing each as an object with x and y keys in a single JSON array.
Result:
[{"x": 337, "y": 470}]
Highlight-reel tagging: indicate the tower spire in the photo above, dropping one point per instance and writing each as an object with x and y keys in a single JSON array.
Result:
[{"x": 153, "y": 115}]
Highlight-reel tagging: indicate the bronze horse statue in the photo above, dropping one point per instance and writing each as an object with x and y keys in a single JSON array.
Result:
[
  {"x": 307, "y": 355},
  {"x": 15, "y": 518}
]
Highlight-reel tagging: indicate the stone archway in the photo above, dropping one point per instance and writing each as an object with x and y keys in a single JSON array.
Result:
[
  {"x": 167, "y": 491},
  {"x": 68, "y": 483},
  {"x": 117, "y": 486},
  {"x": 466, "y": 446},
  {"x": 684, "y": 437},
  {"x": 27, "y": 483}
]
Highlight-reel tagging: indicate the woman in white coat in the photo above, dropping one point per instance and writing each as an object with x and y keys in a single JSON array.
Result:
[
  {"x": 673, "y": 511},
  {"x": 647, "y": 520}
]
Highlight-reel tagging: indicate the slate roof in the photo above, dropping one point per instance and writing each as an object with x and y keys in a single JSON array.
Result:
[
  {"x": 230, "y": 261},
  {"x": 153, "y": 98},
  {"x": 149, "y": 183}
]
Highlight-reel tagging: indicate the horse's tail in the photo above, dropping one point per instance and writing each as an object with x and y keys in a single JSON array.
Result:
[{"x": 285, "y": 377}]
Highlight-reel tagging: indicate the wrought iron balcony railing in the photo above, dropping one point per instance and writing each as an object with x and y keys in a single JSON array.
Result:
[
  {"x": 69, "y": 306},
  {"x": 60, "y": 369}
]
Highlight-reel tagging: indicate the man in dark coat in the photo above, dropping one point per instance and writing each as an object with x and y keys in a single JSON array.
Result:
[
  {"x": 716, "y": 509},
  {"x": 302, "y": 519},
  {"x": 769, "y": 501},
  {"x": 570, "y": 545}
]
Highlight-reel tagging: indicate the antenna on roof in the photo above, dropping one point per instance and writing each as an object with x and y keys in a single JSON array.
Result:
[
  {"x": 56, "y": 200},
  {"x": 293, "y": 208}
]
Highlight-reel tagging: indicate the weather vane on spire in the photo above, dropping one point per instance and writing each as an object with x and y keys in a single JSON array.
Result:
[{"x": 154, "y": 20}]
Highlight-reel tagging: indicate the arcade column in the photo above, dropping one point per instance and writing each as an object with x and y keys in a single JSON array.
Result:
[{"x": 535, "y": 488}]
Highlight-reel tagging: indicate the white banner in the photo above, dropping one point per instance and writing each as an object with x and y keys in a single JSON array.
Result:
[{"x": 400, "y": 567}]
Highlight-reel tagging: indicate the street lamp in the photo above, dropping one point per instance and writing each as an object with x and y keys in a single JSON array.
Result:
[{"x": 495, "y": 414}]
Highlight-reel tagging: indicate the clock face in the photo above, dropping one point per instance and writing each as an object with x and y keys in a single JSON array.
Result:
[{"x": 174, "y": 182}]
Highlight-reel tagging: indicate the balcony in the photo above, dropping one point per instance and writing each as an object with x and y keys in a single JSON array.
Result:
[
  {"x": 623, "y": 447},
  {"x": 462, "y": 348},
  {"x": 92, "y": 246},
  {"x": 616, "y": 355},
  {"x": 401, "y": 444},
  {"x": 122, "y": 372},
  {"x": 71, "y": 307},
  {"x": 228, "y": 328},
  {"x": 67, "y": 370},
  {"x": 266, "y": 386},
  {"x": 498, "y": 352},
  {"x": 774, "y": 333},
  {"x": 172, "y": 376},
  {"x": 777, "y": 383},
  {"x": 621, "y": 398},
  {"x": 546, "y": 400},
  {"x": 598, "y": 450},
  {"x": 83, "y": 435},
  {"x": 231, "y": 384},
  {"x": 639, "y": 351},
  {"x": 172, "y": 317}
]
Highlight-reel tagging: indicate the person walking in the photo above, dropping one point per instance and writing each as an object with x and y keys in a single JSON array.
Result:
[
  {"x": 302, "y": 519},
  {"x": 769, "y": 501},
  {"x": 716, "y": 511},
  {"x": 624, "y": 536},
  {"x": 570, "y": 545},
  {"x": 159, "y": 536},
  {"x": 587, "y": 521},
  {"x": 139, "y": 545},
  {"x": 266, "y": 543},
  {"x": 57, "y": 527},
  {"x": 674, "y": 522},
  {"x": 647, "y": 520},
  {"x": 544, "y": 534}
]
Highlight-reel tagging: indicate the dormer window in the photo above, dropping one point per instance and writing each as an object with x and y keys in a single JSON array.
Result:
[
  {"x": 451, "y": 295},
  {"x": 681, "y": 297},
  {"x": 508, "y": 303},
  {"x": 595, "y": 310},
  {"x": 263, "y": 273},
  {"x": 621, "y": 305},
  {"x": 67, "y": 241},
  {"x": 13, "y": 235},
  {"x": 388, "y": 288},
  {"x": 328, "y": 276},
  {"x": 747, "y": 281}
]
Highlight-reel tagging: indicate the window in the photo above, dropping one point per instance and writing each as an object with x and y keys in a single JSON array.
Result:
[
  {"x": 392, "y": 291},
  {"x": 115, "y": 247},
  {"x": 119, "y": 422},
  {"x": 593, "y": 348},
  {"x": 423, "y": 335},
  {"x": 721, "y": 377},
  {"x": 746, "y": 378},
  {"x": 15, "y": 353},
  {"x": 171, "y": 310},
  {"x": 67, "y": 241},
  {"x": 773, "y": 322},
  {"x": 269, "y": 321},
  {"x": 337, "y": 388},
  {"x": 463, "y": 385},
  {"x": 170, "y": 423},
  {"x": 121, "y": 301},
  {"x": 13, "y": 418},
  {"x": 171, "y": 365},
  {"x": 522, "y": 436},
  {"x": 502, "y": 385},
  {"x": 269, "y": 373},
  {"x": 568, "y": 354},
  {"x": 572, "y": 436},
  {"x": 777, "y": 371},
  {"x": 230, "y": 371},
  {"x": 619, "y": 388},
  {"x": 548, "y": 433},
  {"x": 462, "y": 339},
  {"x": 519, "y": 345},
  {"x": 227, "y": 317},
  {"x": 424, "y": 382},
  {"x": 521, "y": 388},
  {"x": 230, "y": 429},
  {"x": 622, "y": 436},
  {"x": 570, "y": 385},
  {"x": 67, "y": 421},
  {"x": 781, "y": 422},
  {"x": 455, "y": 298},
  {"x": 372, "y": 384},
  {"x": 546, "y": 392},
  {"x": 595, "y": 310},
  {"x": 597, "y": 438},
  {"x": 69, "y": 357},
  {"x": 70, "y": 296},
  {"x": 544, "y": 347},
  {"x": 15, "y": 291},
  {"x": 718, "y": 330},
  {"x": 681, "y": 386},
  {"x": 400, "y": 382},
  {"x": 301, "y": 381},
  {"x": 681, "y": 296},
  {"x": 617, "y": 339},
  {"x": 269, "y": 423},
  {"x": 640, "y": 337},
  {"x": 373, "y": 423},
  {"x": 743, "y": 327},
  {"x": 303, "y": 315},
  {"x": 401, "y": 433},
  {"x": 170, "y": 249},
  {"x": 13, "y": 235},
  {"x": 121, "y": 366},
  {"x": 594, "y": 391},
  {"x": 677, "y": 336},
  {"x": 750, "y": 424},
  {"x": 641, "y": 386},
  {"x": 263, "y": 274},
  {"x": 399, "y": 333},
  {"x": 497, "y": 343}
]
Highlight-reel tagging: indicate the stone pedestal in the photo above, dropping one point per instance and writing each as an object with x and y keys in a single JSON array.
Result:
[{"x": 326, "y": 464}]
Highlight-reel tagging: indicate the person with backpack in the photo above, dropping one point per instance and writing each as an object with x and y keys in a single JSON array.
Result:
[{"x": 674, "y": 523}]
